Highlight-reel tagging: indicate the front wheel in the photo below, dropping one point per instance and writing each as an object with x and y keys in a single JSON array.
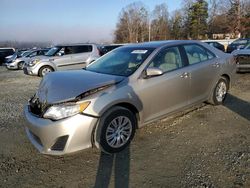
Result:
[
  {"x": 220, "y": 91},
  {"x": 20, "y": 65},
  {"x": 44, "y": 70},
  {"x": 117, "y": 129}
]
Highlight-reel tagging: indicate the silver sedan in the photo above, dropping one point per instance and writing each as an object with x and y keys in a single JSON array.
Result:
[{"x": 125, "y": 89}]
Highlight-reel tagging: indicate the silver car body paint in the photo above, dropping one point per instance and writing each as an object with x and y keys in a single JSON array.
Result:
[
  {"x": 25, "y": 59},
  {"x": 153, "y": 98},
  {"x": 74, "y": 61}
]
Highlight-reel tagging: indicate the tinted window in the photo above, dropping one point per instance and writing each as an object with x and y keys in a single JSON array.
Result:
[
  {"x": 196, "y": 53},
  {"x": 32, "y": 54},
  {"x": 167, "y": 60},
  {"x": 42, "y": 52},
  {"x": 6, "y": 52},
  {"x": 82, "y": 49}
]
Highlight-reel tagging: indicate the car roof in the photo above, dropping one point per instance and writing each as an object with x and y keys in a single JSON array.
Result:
[
  {"x": 158, "y": 44},
  {"x": 76, "y": 44},
  {"x": 7, "y": 48}
]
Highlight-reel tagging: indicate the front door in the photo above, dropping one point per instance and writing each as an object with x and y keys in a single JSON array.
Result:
[{"x": 166, "y": 93}]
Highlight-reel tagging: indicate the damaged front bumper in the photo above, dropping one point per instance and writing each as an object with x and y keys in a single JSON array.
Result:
[{"x": 60, "y": 137}]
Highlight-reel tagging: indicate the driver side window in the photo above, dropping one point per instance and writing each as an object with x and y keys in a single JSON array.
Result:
[{"x": 167, "y": 60}]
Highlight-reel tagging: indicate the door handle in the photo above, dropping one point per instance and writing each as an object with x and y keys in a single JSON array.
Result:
[{"x": 185, "y": 75}]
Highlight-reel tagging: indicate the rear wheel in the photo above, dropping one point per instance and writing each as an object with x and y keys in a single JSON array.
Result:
[
  {"x": 116, "y": 129},
  {"x": 220, "y": 91},
  {"x": 45, "y": 70}
]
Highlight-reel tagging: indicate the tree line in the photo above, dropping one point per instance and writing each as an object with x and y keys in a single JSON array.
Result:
[{"x": 196, "y": 19}]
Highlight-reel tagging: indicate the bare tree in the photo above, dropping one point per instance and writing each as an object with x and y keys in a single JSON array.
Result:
[
  {"x": 160, "y": 23},
  {"x": 133, "y": 24}
]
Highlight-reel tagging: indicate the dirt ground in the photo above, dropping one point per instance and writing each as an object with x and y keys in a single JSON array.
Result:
[{"x": 207, "y": 146}]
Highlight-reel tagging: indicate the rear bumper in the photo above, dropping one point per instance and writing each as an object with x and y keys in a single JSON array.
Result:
[{"x": 60, "y": 137}]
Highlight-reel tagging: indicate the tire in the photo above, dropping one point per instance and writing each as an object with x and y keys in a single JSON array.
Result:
[
  {"x": 44, "y": 70},
  {"x": 220, "y": 91},
  {"x": 116, "y": 129},
  {"x": 20, "y": 65}
]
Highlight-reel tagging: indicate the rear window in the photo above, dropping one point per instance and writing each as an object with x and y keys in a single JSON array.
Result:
[
  {"x": 7, "y": 51},
  {"x": 82, "y": 49}
]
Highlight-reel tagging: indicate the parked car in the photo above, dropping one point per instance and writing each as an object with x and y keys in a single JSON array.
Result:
[
  {"x": 4, "y": 52},
  {"x": 216, "y": 45},
  {"x": 243, "y": 59},
  {"x": 107, "y": 48},
  {"x": 238, "y": 44},
  {"x": 63, "y": 57},
  {"x": 123, "y": 90},
  {"x": 12, "y": 57},
  {"x": 18, "y": 63}
]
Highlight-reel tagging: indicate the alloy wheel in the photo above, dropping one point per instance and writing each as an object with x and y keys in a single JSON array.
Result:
[{"x": 119, "y": 131}]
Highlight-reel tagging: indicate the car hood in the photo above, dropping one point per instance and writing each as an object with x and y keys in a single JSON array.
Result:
[{"x": 65, "y": 86}]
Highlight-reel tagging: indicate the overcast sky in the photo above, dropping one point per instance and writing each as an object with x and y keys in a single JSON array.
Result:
[{"x": 65, "y": 20}]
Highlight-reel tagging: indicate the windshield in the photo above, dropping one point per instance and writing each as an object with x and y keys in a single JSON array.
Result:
[
  {"x": 53, "y": 51},
  {"x": 121, "y": 62},
  {"x": 24, "y": 54},
  {"x": 248, "y": 47},
  {"x": 28, "y": 54}
]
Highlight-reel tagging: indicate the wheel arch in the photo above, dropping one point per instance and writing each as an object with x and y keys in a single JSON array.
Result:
[
  {"x": 127, "y": 105},
  {"x": 46, "y": 65},
  {"x": 226, "y": 76}
]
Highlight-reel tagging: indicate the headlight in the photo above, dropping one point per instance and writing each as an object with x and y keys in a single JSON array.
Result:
[
  {"x": 32, "y": 63},
  {"x": 61, "y": 111}
]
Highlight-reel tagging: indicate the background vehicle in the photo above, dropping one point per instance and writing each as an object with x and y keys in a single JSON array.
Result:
[
  {"x": 18, "y": 63},
  {"x": 123, "y": 90},
  {"x": 243, "y": 59},
  {"x": 63, "y": 57},
  {"x": 238, "y": 44},
  {"x": 4, "y": 52},
  {"x": 217, "y": 45},
  {"x": 17, "y": 54},
  {"x": 107, "y": 48}
]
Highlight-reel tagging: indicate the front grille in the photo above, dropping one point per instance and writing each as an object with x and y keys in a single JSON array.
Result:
[
  {"x": 60, "y": 143},
  {"x": 36, "y": 138},
  {"x": 243, "y": 59},
  {"x": 36, "y": 107}
]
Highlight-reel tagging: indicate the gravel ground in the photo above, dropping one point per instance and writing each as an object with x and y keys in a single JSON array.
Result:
[{"x": 206, "y": 146}]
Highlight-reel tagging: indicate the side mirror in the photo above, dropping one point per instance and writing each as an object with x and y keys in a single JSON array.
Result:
[
  {"x": 153, "y": 71},
  {"x": 60, "y": 54}
]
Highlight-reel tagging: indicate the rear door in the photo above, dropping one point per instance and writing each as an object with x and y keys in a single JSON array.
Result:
[
  {"x": 203, "y": 69},
  {"x": 168, "y": 92},
  {"x": 81, "y": 55}
]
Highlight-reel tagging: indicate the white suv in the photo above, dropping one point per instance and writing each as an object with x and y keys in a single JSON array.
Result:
[{"x": 63, "y": 57}]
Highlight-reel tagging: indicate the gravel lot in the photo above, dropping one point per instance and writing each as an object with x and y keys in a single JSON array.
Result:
[{"x": 206, "y": 146}]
